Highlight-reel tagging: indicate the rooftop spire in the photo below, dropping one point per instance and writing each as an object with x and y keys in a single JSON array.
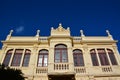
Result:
[{"x": 107, "y": 31}]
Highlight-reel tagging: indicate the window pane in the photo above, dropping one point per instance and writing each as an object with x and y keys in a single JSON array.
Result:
[
  {"x": 94, "y": 57},
  {"x": 75, "y": 60},
  {"x": 40, "y": 60},
  {"x": 7, "y": 58},
  {"x": 81, "y": 62},
  {"x": 17, "y": 58},
  {"x": 103, "y": 57},
  {"x": 43, "y": 58},
  {"x": 112, "y": 58},
  {"x": 26, "y": 59},
  {"x": 61, "y": 53},
  {"x": 78, "y": 58}
]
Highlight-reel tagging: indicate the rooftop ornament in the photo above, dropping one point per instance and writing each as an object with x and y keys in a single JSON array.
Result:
[
  {"x": 107, "y": 31},
  {"x": 82, "y": 34},
  {"x": 38, "y": 32},
  {"x": 11, "y": 31}
]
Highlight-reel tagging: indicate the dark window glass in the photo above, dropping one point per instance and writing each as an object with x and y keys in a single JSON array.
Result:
[
  {"x": 17, "y": 57},
  {"x": 7, "y": 57},
  {"x": 103, "y": 57},
  {"x": 112, "y": 57},
  {"x": 26, "y": 58},
  {"x": 94, "y": 57},
  {"x": 61, "y": 53},
  {"x": 43, "y": 58},
  {"x": 78, "y": 58}
]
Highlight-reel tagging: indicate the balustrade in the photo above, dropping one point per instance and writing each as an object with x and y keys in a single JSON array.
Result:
[
  {"x": 40, "y": 70},
  {"x": 61, "y": 66},
  {"x": 80, "y": 69}
]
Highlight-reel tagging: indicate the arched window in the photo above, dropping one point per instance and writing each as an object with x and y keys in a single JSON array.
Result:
[
  {"x": 43, "y": 58},
  {"x": 26, "y": 58},
  {"x": 112, "y": 57},
  {"x": 60, "y": 54},
  {"x": 78, "y": 58},
  {"x": 17, "y": 57},
  {"x": 103, "y": 57},
  {"x": 94, "y": 57},
  {"x": 7, "y": 57}
]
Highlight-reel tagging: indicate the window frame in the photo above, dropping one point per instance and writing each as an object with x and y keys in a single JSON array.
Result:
[
  {"x": 7, "y": 57},
  {"x": 17, "y": 58},
  {"x": 79, "y": 57},
  {"x": 43, "y": 54},
  {"x": 94, "y": 57},
  {"x": 60, "y": 50},
  {"x": 26, "y": 59}
]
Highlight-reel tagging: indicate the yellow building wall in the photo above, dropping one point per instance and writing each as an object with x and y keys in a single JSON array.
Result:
[{"x": 62, "y": 36}]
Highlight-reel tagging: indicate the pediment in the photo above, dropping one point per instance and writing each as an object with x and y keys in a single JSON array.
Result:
[{"x": 60, "y": 31}]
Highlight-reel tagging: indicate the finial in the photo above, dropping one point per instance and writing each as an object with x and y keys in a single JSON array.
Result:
[
  {"x": 68, "y": 28},
  {"x": 52, "y": 28},
  {"x": 60, "y": 24},
  {"x": 82, "y": 34},
  {"x": 60, "y": 28},
  {"x": 11, "y": 31},
  {"x": 38, "y": 32},
  {"x": 107, "y": 31}
]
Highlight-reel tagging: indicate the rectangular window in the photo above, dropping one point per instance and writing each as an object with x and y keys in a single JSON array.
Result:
[
  {"x": 112, "y": 58},
  {"x": 103, "y": 59},
  {"x": 94, "y": 59},
  {"x": 43, "y": 60},
  {"x": 17, "y": 58},
  {"x": 7, "y": 59},
  {"x": 26, "y": 59}
]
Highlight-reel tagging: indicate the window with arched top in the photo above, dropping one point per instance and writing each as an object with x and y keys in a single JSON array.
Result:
[
  {"x": 60, "y": 53},
  {"x": 112, "y": 57},
  {"x": 7, "y": 57},
  {"x": 94, "y": 57},
  {"x": 26, "y": 58},
  {"x": 43, "y": 58},
  {"x": 103, "y": 57},
  {"x": 17, "y": 57},
  {"x": 78, "y": 57}
]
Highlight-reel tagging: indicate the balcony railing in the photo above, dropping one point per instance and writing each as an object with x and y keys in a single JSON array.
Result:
[
  {"x": 80, "y": 69},
  {"x": 106, "y": 69},
  {"x": 61, "y": 66},
  {"x": 41, "y": 70}
]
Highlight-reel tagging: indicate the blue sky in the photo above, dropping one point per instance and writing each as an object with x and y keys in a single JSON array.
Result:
[{"x": 93, "y": 16}]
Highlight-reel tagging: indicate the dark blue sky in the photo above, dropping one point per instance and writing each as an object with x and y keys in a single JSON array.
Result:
[{"x": 93, "y": 16}]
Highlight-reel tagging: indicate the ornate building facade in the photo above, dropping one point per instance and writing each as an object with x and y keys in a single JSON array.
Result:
[{"x": 61, "y": 56}]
